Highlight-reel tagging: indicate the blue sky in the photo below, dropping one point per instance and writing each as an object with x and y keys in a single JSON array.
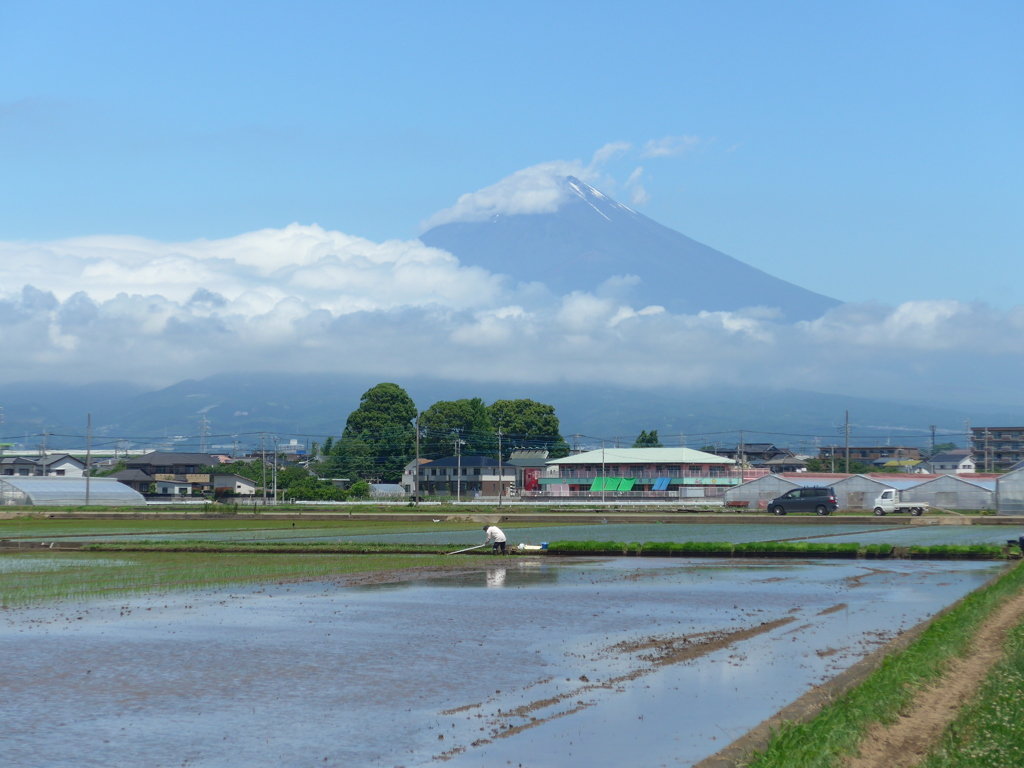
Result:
[
  {"x": 870, "y": 152},
  {"x": 867, "y": 151}
]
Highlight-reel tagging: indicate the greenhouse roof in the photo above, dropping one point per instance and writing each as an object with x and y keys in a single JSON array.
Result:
[{"x": 67, "y": 491}]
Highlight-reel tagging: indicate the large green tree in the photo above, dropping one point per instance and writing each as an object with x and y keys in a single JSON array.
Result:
[
  {"x": 528, "y": 425},
  {"x": 379, "y": 437},
  {"x": 648, "y": 440},
  {"x": 467, "y": 420}
]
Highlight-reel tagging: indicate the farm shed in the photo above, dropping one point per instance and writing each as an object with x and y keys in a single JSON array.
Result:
[
  {"x": 67, "y": 492},
  {"x": 954, "y": 492},
  {"x": 858, "y": 491},
  {"x": 1010, "y": 493}
]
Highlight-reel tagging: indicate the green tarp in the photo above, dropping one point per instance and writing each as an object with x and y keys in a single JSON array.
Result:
[{"x": 612, "y": 484}]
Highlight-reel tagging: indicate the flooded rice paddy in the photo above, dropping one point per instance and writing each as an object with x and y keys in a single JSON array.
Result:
[
  {"x": 607, "y": 662},
  {"x": 469, "y": 534}
]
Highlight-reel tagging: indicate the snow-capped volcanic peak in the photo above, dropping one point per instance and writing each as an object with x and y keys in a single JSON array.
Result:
[
  {"x": 595, "y": 198},
  {"x": 544, "y": 225}
]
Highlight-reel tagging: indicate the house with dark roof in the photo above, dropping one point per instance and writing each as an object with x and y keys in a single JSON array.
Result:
[
  {"x": 466, "y": 477},
  {"x": 168, "y": 467},
  {"x": 54, "y": 465},
  {"x": 959, "y": 462}
]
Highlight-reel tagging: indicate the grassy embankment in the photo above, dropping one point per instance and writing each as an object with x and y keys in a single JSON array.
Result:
[
  {"x": 835, "y": 733},
  {"x": 34, "y": 577},
  {"x": 776, "y": 549},
  {"x": 990, "y": 730}
]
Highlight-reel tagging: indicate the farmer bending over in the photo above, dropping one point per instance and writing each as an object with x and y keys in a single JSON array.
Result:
[{"x": 494, "y": 532}]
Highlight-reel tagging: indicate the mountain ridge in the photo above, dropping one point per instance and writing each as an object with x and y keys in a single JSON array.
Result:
[
  {"x": 315, "y": 406},
  {"x": 590, "y": 239}
]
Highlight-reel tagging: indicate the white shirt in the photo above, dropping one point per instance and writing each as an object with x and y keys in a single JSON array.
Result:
[{"x": 494, "y": 532}]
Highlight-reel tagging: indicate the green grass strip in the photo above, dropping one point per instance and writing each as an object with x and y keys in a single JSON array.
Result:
[
  {"x": 989, "y": 731},
  {"x": 270, "y": 547},
  {"x": 773, "y": 549},
  {"x": 31, "y": 578},
  {"x": 838, "y": 729}
]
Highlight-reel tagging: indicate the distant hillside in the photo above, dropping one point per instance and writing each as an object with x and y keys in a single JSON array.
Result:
[
  {"x": 239, "y": 407},
  {"x": 591, "y": 238}
]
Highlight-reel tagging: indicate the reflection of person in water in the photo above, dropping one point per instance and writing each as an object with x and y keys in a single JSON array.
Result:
[
  {"x": 496, "y": 577},
  {"x": 494, "y": 532}
]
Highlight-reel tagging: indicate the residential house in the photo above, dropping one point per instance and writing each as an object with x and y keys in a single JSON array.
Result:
[
  {"x": 19, "y": 466},
  {"x": 752, "y": 453},
  {"x": 960, "y": 462},
  {"x": 237, "y": 484},
  {"x": 177, "y": 468},
  {"x": 869, "y": 453},
  {"x": 466, "y": 477},
  {"x": 54, "y": 465},
  {"x": 409, "y": 475}
]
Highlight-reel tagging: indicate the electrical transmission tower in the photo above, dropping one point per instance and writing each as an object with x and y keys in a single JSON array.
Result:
[{"x": 204, "y": 434}]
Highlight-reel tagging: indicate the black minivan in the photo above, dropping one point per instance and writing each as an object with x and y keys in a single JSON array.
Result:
[{"x": 814, "y": 498}]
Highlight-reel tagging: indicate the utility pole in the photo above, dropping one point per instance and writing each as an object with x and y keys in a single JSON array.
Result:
[
  {"x": 275, "y": 439},
  {"x": 500, "y": 494},
  {"x": 416, "y": 475},
  {"x": 88, "y": 457},
  {"x": 1, "y": 430},
  {"x": 458, "y": 468},
  {"x": 988, "y": 455},
  {"x": 741, "y": 457},
  {"x": 847, "y": 442},
  {"x": 263, "y": 464},
  {"x": 603, "y": 483},
  {"x": 933, "y": 440}
]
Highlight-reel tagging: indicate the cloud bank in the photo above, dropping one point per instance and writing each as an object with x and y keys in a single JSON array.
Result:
[{"x": 304, "y": 299}]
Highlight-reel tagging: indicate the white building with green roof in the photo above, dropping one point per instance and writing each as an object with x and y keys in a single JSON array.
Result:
[{"x": 646, "y": 472}]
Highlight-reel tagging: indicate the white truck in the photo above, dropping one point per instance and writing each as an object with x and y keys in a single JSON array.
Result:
[{"x": 889, "y": 501}]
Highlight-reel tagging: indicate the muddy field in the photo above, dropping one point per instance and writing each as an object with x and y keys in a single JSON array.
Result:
[{"x": 615, "y": 662}]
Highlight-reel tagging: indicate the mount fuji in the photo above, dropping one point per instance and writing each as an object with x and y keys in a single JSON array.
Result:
[{"x": 585, "y": 240}]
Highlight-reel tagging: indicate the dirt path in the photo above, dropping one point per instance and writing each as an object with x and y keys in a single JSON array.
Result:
[{"x": 906, "y": 742}]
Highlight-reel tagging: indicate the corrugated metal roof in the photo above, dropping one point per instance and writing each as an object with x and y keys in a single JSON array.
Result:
[{"x": 643, "y": 456}]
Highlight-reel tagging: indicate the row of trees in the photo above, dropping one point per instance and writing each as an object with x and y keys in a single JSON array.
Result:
[{"x": 379, "y": 439}]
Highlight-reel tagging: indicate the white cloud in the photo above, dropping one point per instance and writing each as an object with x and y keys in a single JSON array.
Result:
[
  {"x": 253, "y": 272},
  {"x": 637, "y": 194},
  {"x": 538, "y": 189},
  {"x": 669, "y": 146},
  {"x": 306, "y": 300},
  {"x": 609, "y": 152}
]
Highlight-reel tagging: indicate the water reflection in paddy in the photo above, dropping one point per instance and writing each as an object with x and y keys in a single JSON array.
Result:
[{"x": 315, "y": 674}]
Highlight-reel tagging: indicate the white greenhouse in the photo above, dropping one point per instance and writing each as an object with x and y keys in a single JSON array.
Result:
[
  {"x": 67, "y": 492},
  {"x": 1010, "y": 493},
  {"x": 954, "y": 492}
]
